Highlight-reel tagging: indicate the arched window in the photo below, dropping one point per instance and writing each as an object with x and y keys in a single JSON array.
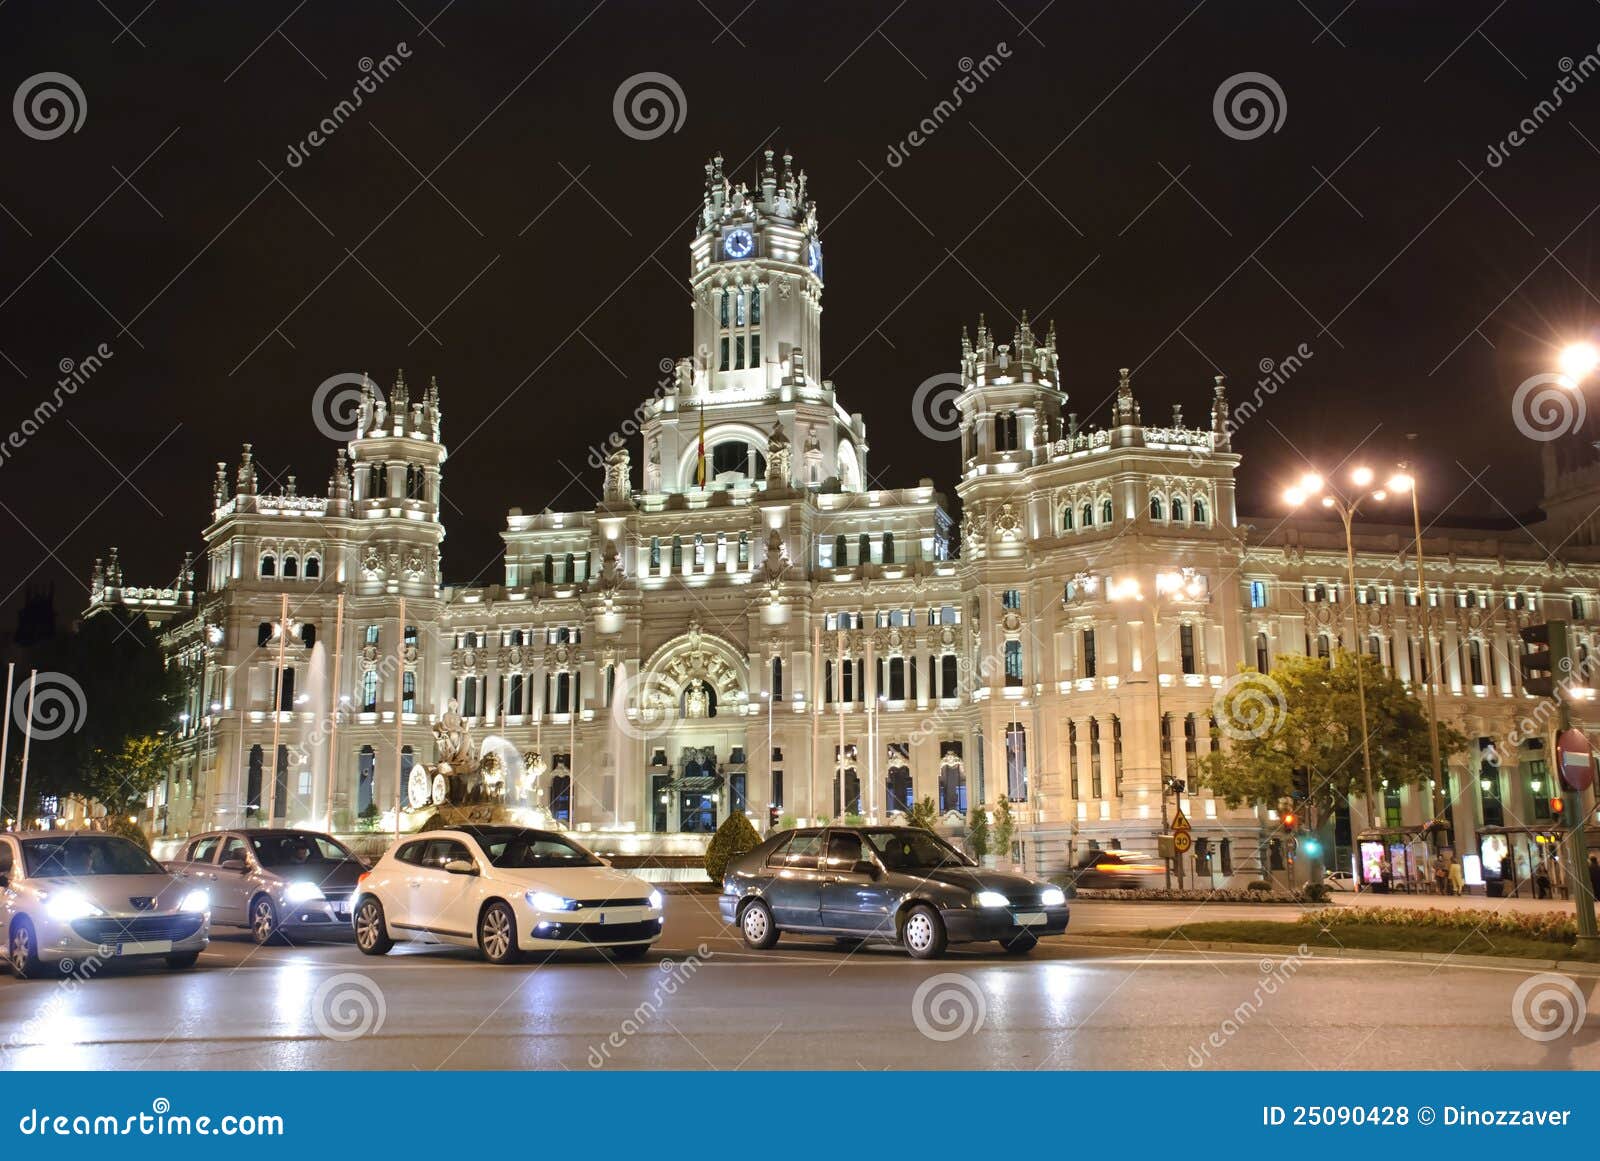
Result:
[
  {"x": 1177, "y": 508},
  {"x": 269, "y": 564},
  {"x": 655, "y": 552},
  {"x": 1200, "y": 510},
  {"x": 1157, "y": 510},
  {"x": 291, "y": 567},
  {"x": 1086, "y": 515},
  {"x": 1323, "y": 649},
  {"x": 841, "y": 551},
  {"x": 313, "y": 567},
  {"x": 1105, "y": 511},
  {"x": 308, "y": 635},
  {"x": 1263, "y": 654},
  {"x": 263, "y": 634},
  {"x": 888, "y": 548},
  {"x": 569, "y": 567},
  {"x": 1066, "y": 518},
  {"x": 864, "y": 548},
  {"x": 677, "y": 554},
  {"x": 369, "y": 691},
  {"x": 549, "y": 569},
  {"x": 777, "y": 679}
]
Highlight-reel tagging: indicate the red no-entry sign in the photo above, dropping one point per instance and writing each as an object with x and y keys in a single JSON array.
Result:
[{"x": 1577, "y": 760}]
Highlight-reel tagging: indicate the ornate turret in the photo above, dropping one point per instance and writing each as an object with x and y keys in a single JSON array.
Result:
[{"x": 1221, "y": 425}]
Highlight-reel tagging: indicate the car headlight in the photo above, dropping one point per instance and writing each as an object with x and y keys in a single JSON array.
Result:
[
  {"x": 1053, "y": 897},
  {"x": 992, "y": 899},
  {"x": 65, "y": 906},
  {"x": 196, "y": 901},
  {"x": 545, "y": 901},
  {"x": 301, "y": 893},
  {"x": 656, "y": 901}
]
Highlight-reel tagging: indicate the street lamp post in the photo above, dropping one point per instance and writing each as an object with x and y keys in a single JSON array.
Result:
[
  {"x": 1313, "y": 484},
  {"x": 1404, "y": 481}
]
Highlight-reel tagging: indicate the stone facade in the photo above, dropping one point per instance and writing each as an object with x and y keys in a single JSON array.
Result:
[{"x": 746, "y": 622}]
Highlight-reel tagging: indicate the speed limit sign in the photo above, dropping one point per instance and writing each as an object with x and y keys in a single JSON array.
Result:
[{"x": 1182, "y": 841}]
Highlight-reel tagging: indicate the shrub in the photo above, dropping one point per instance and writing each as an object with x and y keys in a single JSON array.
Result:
[
  {"x": 1551, "y": 925},
  {"x": 1004, "y": 827},
  {"x": 924, "y": 814},
  {"x": 121, "y": 824},
  {"x": 978, "y": 832},
  {"x": 1317, "y": 892},
  {"x": 787, "y": 822},
  {"x": 733, "y": 838},
  {"x": 1258, "y": 885}
]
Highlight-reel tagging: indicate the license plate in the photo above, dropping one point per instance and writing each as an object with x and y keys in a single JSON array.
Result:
[
  {"x": 1032, "y": 919},
  {"x": 341, "y": 907},
  {"x": 145, "y": 947}
]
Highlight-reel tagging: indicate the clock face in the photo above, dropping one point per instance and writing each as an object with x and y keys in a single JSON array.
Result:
[
  {"x": 738, "y": 244},
  {"x": 814, "y": 257}
]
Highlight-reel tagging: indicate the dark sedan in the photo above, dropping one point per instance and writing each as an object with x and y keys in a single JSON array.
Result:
[{"x": 898, "y": 884}]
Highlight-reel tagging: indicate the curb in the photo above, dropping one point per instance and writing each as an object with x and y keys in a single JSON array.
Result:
[{"x": 1567, "y": 966}]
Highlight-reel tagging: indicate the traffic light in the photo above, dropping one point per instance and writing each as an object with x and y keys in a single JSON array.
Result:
[
  {"x": 1290, "y": 820},
  {"x": 1311, "y": 846},
  {"x": 1546, "y": 658}
]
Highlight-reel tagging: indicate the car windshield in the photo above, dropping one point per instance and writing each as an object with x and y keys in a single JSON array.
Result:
[
  {"x": 914, "y": 850},
  {"x": 531, "y": 849},
  {"x": 297, "y": 850},
  {"x": 92, "y": 854}
]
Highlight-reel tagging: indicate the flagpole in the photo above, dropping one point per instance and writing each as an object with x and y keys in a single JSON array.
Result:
[
  {"x": 5, "y": 738},
  {"x": 27, "y": 745}
]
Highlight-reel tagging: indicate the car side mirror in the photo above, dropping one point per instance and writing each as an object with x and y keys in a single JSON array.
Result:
[
  {"x": 461, "y": 867},
  {"x": 232, "y": 865},
  {"x": 5, "y": 881},
  {"x": 866, "y": 867}
]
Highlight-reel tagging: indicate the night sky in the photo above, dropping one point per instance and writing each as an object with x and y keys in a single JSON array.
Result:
[{"x": 483, "y": 218}]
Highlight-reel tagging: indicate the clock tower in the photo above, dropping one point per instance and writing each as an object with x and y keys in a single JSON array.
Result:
[{"x": 755, "y": 270}]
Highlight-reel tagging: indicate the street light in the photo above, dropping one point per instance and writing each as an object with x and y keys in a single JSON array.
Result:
[
  {"x": 1578, "y": 361},
  {"x": 1311, "y": 484},
  {"x": 1401, "y": 483}
]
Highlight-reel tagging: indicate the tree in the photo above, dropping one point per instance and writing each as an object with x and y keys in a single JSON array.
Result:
[
  {"x": 121, "y": 781},
  {"x": 1297, "y": 730},
  {"x": 733, "y": 838},
  {"x": 924, "y": 814},
  {"x": 978, "y": 832},
  {"x": 1005, "y": 827},
  {"x": 127, "y": 691}
]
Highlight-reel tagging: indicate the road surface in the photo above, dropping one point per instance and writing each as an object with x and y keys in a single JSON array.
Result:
[{"x": 805, "y": 1004}]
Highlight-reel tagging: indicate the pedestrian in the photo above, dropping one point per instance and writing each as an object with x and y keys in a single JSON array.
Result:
[
  {"x": 1541, "y": 883},
  {"x": 1441, "y": 879},
  {"x": 1594, "y": 877},
  {"x": 1456, "y": 885}
]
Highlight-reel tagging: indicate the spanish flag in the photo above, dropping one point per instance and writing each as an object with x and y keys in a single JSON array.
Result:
[{"x": 700, "y": 459}]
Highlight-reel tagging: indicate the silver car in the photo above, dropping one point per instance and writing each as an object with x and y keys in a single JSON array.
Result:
[
  {"x": 279, "y": 883},
  {"x": 74, "y": 897}
]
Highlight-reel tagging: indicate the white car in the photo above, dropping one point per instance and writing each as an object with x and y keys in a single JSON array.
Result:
[
  {"x": 503, "y": 890},
  {"x": 72, "y": 897}
]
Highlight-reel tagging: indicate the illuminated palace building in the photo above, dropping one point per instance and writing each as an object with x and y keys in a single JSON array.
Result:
[{"x": 771, "y": 634}]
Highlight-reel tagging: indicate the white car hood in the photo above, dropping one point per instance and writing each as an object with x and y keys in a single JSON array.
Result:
[
  {"x": 115, "y": 894},
  {"x": 602, "y": 883}
]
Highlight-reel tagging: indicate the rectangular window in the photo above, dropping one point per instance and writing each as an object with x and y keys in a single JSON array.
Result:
[
  {"x": 1013, "y": 663},
  {"x": 738, "y": 309},
  {"x": 724, "y": 362},
  {"x": 949, "y": 671},
  {"x": 755, "y": 306},
  {"x": 408, "y": 696},
  {"x": 738, "y": 353},
  {"x": 1186, "y": 647},
  {"x": 723, "y": 312},
  {"x": 755, "y": 350},
  {"x": 1258, "y": 594},
  {"x": 1012, "y": 599},
  {"x": 1089, "y": 665}
]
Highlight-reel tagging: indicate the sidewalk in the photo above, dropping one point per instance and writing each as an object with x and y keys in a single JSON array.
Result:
[{"x": 1450, "y": 902}]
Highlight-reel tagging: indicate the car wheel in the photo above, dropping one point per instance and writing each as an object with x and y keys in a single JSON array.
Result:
[
  {"x": 1021, "y": 943},
  {"x": 497, "y": 933},
  {"x": 183, "y": 961},
  {"x": 630, "y": 951},
  {"x": 372, "y": 933},
  {"x": 263, "y": 920},
  {"x": 24, "y": 952},
  {"x": 924, "y": 934},
  {"x": 757, "y": 927}
]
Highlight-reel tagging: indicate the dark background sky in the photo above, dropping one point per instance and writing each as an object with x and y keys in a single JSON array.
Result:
[{"x": 1086, "y": 182}]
